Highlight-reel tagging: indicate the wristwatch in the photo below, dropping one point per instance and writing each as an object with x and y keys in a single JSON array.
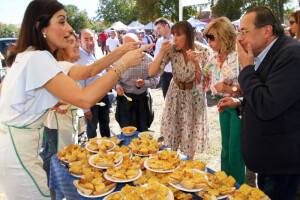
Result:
[{"x": 234, "y": 88}]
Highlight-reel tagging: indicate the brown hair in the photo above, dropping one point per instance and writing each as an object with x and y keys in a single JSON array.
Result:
[
  {"x": 186, "y": 28},
  {"x": 30, "y": 34},
  {"x": 296, "y": 15},
  {"x": 60, "y": 54},
  {"x": 225, "y": 32}
]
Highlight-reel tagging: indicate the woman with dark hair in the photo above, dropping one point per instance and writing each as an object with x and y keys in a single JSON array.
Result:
[
  {"x": 221, "y": 77},
  {"x": 34, "y": 84},
  {"x": 184, "y": 121},
  {"x": 295, "y": 23}
]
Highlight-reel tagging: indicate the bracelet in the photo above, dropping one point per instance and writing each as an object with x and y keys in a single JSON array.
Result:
[
  {"x": 123, "y": 64},
  {"x": 119, "y": 68},
  {"x": 119, "y": 75}
]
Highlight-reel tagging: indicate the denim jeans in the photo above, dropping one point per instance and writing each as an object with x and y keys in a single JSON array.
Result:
[
  {"x": 141, "y": 116},
  {"x": 101, "y": 116},
  {"x": 49, "y": 148}
]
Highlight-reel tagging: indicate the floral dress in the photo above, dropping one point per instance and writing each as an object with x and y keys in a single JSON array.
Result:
[
  {"x": 184, "y": 120},
  {"x": 228, "y": 73}
]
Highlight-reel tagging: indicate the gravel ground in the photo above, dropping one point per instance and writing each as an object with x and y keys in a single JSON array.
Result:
[{"x": 211, "y": 155}]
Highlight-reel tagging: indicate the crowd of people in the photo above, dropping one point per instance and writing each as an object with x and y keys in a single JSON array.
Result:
[{"x": 252, "y": 71}]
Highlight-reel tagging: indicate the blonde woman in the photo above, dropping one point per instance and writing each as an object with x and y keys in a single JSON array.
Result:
[{"x": 221, "y": 75}]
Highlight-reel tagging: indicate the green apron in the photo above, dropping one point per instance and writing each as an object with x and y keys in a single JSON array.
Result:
[{"x": 27, "y": 142}]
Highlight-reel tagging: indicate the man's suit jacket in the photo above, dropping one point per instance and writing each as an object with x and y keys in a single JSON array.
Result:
[{"x": 271, "y": 110}]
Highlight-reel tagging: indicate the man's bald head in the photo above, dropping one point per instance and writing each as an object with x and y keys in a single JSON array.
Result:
[{"x": 130, "y": 37}]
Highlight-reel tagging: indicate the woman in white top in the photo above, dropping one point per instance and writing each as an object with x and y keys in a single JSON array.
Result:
[{"x": 34, "y": 84}]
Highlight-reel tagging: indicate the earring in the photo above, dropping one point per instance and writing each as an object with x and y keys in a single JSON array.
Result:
[{"x": 44, "y": 35}]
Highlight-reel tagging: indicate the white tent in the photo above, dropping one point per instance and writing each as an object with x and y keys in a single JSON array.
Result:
[
  {"x": 118, "y": 26},
  {"x": 149, "y": 26},
  {"x": 237, "y": 22},
  {"x": 196, "y": 23},
  {"x": 135, "y": 24}
]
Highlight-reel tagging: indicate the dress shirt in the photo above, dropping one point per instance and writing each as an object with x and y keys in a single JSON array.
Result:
[
  {"x": 88, "y": 59},
  {"x": 168, "y": 67},
  {"x": 142, "y": 72},
  {"x": 262, "y": 55}
]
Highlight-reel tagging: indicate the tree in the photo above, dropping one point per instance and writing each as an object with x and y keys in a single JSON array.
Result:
[
  {"x": 228, "y": 8},
  {"x": 77, "y": 19},
  {"x": 153, "y": 9},
  {"x": 6, "y": 30},
  {"x": 141, "y": 10},
  {"x": 233, "y": 9},
  {"x": 117, "y": 10}
]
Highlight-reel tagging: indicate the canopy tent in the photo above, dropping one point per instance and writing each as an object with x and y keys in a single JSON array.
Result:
[
  {"x": 118, "y": 26},
  {"x": 135, "y": 24},
  {"x": 196, "y": 23},
  {"x": 149, "y": 26},
  {"x": 237, "y": 22}
]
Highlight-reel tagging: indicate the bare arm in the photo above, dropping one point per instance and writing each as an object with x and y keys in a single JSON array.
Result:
[
  {"x": 81, "y": 72},
  {"x": 69, "y": 91},
  {"x": 154, "y": 66}
]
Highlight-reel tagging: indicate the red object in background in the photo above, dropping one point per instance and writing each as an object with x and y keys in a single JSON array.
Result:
[{"x": 207, "y": 20}]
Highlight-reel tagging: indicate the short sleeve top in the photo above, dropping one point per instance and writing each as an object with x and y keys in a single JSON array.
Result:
[{"x": 24, "y": 98}]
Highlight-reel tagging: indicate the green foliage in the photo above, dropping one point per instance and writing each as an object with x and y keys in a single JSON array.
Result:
[
  {"x": 228, "y": 8},
  {"x": 142, "y": 10},
  {"x": 6, "y": 30},
  {"x": 77, "y": 19},
  {"x": 117, "y": 10},
  {"x": 233, "y": 9}
]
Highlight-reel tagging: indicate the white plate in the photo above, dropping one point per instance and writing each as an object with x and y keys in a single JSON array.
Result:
[
  {"x": 108, "y": 177},
  {"x": 150, "y": 133},
  {"x": 153, "y": 170},
  {"x": 99, "y": 141},
  {"x": 136, "y": 154},
  {"x": 105, "y": 198},
  {"x": 95, "y": 196},
  {"x": 75, "y": 175},
  {"x": 180, "y": 187},
  {"x": 92, "y": 164}
]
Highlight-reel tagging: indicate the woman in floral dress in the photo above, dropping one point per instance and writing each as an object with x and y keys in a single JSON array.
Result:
[
  {"x": 184, "y": 120},
  {"x": 221, "y": 77}
]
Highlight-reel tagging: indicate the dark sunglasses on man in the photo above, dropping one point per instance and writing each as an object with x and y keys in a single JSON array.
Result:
[
  {"x": 210, "y": 36},
  {"x": 292, "y": 22}
]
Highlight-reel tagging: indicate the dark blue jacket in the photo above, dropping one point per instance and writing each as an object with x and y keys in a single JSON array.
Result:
[{"x": 271, "y": 110}]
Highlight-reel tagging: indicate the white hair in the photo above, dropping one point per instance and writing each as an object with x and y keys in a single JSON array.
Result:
[{"x": 132, "y": 36}]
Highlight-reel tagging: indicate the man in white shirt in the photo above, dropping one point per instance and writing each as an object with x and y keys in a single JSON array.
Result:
[
  {"x": 96, "y": 114},
  {"x": 164, "y": 29},
  {"x": 112, "y": 43}
]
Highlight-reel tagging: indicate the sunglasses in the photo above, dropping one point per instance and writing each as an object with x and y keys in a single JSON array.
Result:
[
  {"x": 210, "y": 36},
  {"x": 292, "y": 22}
]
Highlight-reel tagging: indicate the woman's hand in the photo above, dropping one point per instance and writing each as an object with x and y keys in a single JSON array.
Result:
[
  {"x": 165, "y": 47},
  {"x": 120, "y": 91},
  {"x": 193, "y": 56},
  {"x": 134, "y": 58},
  {"x": 221, "y": 87},
  {"x": 228, "y": 102},
  {"x": 130, "y": 46}
]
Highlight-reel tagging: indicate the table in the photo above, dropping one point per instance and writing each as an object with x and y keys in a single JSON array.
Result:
[{"x": 62, "y": 181}]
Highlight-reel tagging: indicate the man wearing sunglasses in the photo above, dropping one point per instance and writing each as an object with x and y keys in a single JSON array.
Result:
[{"x": 270, "y": 139}]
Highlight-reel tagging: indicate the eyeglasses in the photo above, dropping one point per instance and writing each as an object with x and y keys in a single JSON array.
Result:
[
  {"x": 292, "y": 22},
  {"x": 210, "y": 36},
  {"x": 244, "y": 32}
]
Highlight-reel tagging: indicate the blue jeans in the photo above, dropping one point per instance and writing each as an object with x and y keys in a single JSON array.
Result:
[
  {"x": 165, "y": 79},
  {"x": 279, "y": 187},
  {"x": 101, "y": 116},
  {"x": 50, "y": 148},
  {"x": 141, "y": 116}
]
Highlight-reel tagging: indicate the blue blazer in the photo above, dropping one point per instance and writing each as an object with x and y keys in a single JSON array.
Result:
[{"x": 270, "y": 139}]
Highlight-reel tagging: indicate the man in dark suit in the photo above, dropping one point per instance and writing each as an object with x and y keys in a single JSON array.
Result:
[{"x": 270, "y": 81}]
